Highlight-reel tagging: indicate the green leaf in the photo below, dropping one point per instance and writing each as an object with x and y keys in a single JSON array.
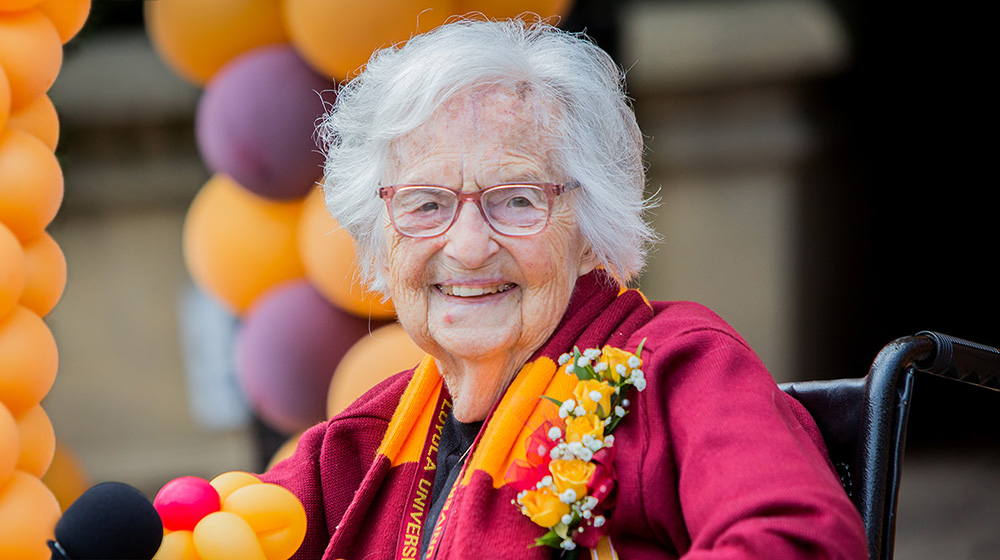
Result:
[
  {"x": 549, "y": 539},
  {"x": 614, "y": 422},
  {"x": 557, "y": 403},
  {"x": 600, "y": 411},
  {"x": 638, "y": 351}
]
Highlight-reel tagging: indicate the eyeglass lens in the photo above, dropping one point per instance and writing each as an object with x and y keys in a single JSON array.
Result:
[{"x": 511, "y": 209}]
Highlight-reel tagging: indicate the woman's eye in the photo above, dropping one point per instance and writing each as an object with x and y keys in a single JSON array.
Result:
[
  {"x": 519, "y": 202},
  {"x": 428, "y": 207}
]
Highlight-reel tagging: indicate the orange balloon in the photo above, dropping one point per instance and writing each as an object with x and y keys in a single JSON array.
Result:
[
  {"x": 28, "y": 515},
  {"x": 274, "y": 514},
  {"x": 224, "y": 536},
  {"x": 12, "y": 270},
  {"x": 4, "y": 98},
  {"x": 30, "y": 52},
  {"x": 38, "y": 441},
  {"x": 10, "y": 444},
  {"x": 177, "y": 545},
  {"x": 38, "y": 119},
  {"x": 45, "y": 274},
  {"x": 196, "y": 38},
  {"x": 336, "y": 37},
  {"x": 386, "y": 351},
  {"x": 327, "y": 254},
  {"x": 67, "y": 15},
  {"x": 238, "y": 244},
  {"x": 30, "y": 360},
  {"x": 507, "y": 9},
  {"x": 17, "y": 5},
  {"x": 66, "y": 477},
  {"x": 31, "y": 184}
]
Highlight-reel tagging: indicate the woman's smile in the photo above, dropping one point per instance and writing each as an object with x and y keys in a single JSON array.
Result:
[{"x": 474, "y": 292}]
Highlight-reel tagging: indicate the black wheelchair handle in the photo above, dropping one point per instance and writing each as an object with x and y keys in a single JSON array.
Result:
[{"x": 962, "y": 360}]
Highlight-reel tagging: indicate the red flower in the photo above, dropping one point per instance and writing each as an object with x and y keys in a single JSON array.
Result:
[{"x": 524, "y": 475}]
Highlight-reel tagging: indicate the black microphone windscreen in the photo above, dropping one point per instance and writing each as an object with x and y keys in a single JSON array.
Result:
[{"x": 110, "y": 521}]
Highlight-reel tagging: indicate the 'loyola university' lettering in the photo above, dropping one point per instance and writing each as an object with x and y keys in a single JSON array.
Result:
[{"x": 409, "y": 538}]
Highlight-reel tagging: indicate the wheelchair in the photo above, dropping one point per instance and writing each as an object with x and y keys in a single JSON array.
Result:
[{"x": 863, "y": 421}]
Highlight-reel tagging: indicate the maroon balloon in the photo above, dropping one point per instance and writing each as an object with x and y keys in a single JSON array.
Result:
[
  {"x": 256, "y": 119},
  {"x": 286, "y": 351}
]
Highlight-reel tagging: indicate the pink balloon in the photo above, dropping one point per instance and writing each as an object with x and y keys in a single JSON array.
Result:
[
  {"x": 286, "y": 351},
  {"x": 184, "y": 501},
  {"x": 256, "y": 119}
]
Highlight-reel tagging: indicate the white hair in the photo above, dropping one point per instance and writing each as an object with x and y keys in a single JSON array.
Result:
[{"x": 598, "y": 142}]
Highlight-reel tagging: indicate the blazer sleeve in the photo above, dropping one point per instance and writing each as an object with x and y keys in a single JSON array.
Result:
[{"x": 753, "y": 477}]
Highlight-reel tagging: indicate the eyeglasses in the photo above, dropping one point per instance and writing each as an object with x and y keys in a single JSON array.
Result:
[{"x": 514, "y": 209}]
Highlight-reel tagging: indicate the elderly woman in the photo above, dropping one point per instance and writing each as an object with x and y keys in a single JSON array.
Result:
[{"x": 491, "y": 176}]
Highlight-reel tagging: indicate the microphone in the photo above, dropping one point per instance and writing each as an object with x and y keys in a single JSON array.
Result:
[{"x": 110, "y": 521}]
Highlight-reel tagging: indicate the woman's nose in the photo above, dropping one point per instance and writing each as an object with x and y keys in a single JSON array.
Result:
[{"x": 470, "y": 239}]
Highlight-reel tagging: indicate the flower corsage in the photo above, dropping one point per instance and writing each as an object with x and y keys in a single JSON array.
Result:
[{"x": 567, "y": 483}]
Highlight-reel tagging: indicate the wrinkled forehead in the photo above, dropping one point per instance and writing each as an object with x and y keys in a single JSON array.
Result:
[
  {"x": 515, "y": 115},
  {"x": 496, "y": 106}
]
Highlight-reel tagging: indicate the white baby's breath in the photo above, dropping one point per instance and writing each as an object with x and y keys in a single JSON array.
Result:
[{"x": 568, "y": 497}]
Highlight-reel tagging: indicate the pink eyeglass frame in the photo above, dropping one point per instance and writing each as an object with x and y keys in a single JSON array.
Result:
[{"x": 551, "y": 190}]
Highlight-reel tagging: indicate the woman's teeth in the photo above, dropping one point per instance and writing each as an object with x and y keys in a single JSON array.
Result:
[{"x": 468, "y": 291}]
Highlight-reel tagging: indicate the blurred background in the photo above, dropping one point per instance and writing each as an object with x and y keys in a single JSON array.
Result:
[{"x": 821, "y": 168}]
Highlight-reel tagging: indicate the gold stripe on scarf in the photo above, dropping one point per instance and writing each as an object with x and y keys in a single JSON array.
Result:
[
  {"x": 519, "y": 414},
  {"x": 412, "y": 415}
]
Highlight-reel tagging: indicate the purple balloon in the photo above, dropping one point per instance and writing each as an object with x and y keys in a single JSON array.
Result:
[
  {"x": 286, "y": 351},
  {"x": 256, "y": 118}
]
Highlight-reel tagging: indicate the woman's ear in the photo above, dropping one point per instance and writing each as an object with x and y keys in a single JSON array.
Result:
[{"x": 588, "y": 260}]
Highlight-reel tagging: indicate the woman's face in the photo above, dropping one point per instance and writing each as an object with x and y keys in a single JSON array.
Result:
[{"x": 480, "y": 302}]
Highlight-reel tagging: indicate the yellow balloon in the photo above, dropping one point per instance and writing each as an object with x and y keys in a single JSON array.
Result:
[
  {"x": 12, "y": 270},
  {"x": 38, "y": 441},
  {"x": 327, "y": 253},
  {"x": 28, "y": 515},
  {"x": 373, "y": 358},
  {"x": 227, "y": 483},
  {"x": 224, "y": 536},
  {"x": 196, "y": 38},
  {"x": 10, "y": 443},
  {"x": 38, "y": 118},
  {"x": 29, "y": 358},
  {"x": 66, "y": 477},
  {"x": 338, "y": 36},
  {"x": 275, "y": 515},
  {"x": 238, "y": 244},
  {"x": 177, "y": 545},
  {"x": 30, "y": 52}
]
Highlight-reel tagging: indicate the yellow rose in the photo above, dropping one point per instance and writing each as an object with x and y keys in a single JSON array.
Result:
[
  {"x": 615, "y": 357},
  {"x": 585, "y": 389},
  {"x": 544, "y": 507},
  {"x": 580, "y": 426},
  {"x": 572, "y": 473}
]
